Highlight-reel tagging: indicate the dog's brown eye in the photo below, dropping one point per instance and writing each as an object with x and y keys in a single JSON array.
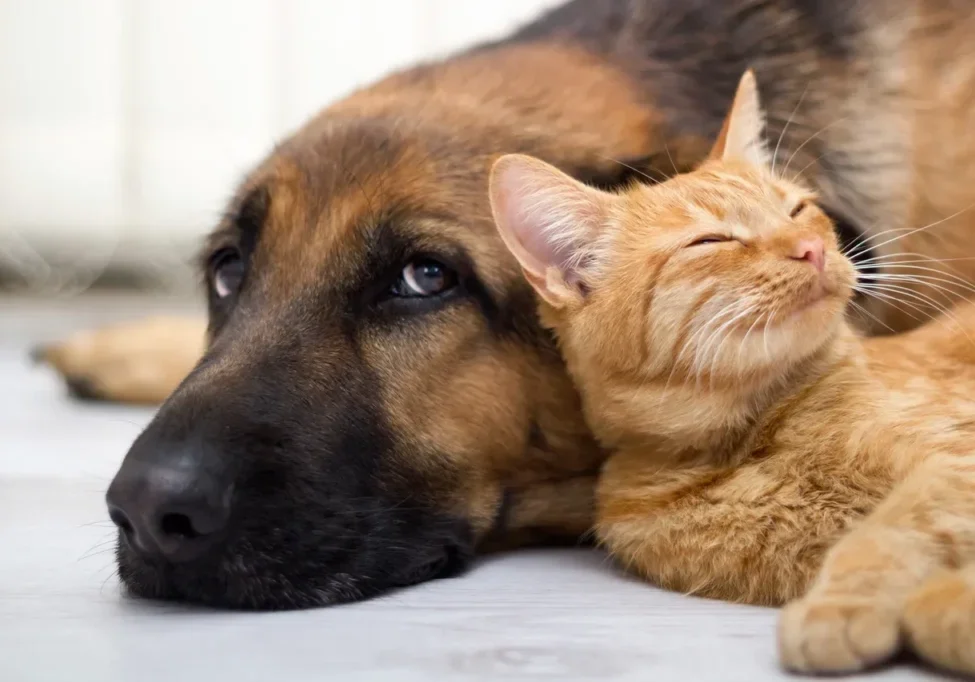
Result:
[
  {"x": 424, "y": 277},
  {"x": 798, "y": 208},
  {"x": 228, "y": 272}
]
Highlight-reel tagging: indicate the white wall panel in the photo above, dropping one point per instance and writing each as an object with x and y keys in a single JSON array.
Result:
[
  {"x": 61, "y": 117},
  {"x": 124, "y": 124},
  {"x": 206, "y": 106}
]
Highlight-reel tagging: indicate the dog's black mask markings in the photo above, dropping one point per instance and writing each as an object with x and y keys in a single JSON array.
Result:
[{"x": 287, "y": 413}]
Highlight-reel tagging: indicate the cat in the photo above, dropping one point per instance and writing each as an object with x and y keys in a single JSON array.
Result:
[{"x": 762, "y": 451}]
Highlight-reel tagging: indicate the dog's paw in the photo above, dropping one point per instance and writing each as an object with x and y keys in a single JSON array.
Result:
[
  {"x": 939, "y": 620},
  {"x": 138, "y": 362},
  {"x": 837, "y": 634}
]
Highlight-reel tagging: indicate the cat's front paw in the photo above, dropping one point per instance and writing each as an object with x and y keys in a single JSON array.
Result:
[
  {"x": 837, "y": 634},
  {"x": 939, "y": 620}
]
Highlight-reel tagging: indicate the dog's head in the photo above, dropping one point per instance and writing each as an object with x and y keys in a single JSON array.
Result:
[{"x": 376, "y": 391}]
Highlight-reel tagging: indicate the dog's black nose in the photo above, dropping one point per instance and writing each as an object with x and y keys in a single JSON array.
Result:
[{"x": 175, "y": 510}]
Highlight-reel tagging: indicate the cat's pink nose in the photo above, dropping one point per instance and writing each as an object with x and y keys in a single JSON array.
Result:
[{"x": 813, "y": 250}]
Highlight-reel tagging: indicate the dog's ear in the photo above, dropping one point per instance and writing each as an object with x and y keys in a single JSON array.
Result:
[
  {"x": 742, "y": 135},
  {"x": 549, "y": 221}
]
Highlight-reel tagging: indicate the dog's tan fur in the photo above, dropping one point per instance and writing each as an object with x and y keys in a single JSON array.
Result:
[{"x": 876, "y": 125}]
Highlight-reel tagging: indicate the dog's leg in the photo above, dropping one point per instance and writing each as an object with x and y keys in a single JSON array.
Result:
[{"x": 136, "y": 363}]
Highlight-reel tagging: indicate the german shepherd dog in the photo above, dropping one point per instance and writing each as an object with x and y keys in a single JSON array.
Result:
[{"x": 374, "y": 398}]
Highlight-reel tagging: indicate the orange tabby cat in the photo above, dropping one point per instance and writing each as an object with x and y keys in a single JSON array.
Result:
[{"x": 763, "y": 452}]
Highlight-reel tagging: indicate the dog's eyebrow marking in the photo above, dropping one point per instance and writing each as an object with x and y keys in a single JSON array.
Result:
[
  {"x": 250, "y": 217},
  {"x": 241, "y": 225}
]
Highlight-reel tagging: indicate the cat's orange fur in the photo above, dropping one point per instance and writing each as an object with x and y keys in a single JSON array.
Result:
[{"x": 763, "y": 452}]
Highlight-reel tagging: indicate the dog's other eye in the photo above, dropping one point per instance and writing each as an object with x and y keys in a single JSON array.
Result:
[
  {"x": 798, "y": 208},
  {"x": 424, "y": 277},
  {"x": 708, "y": 239},
  {"x": 228, "y": 272}
]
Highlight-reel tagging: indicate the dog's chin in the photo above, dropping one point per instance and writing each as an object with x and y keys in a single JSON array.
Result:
[{"x": 257, "y": 582}]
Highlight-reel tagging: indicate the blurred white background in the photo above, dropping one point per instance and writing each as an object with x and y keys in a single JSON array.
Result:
[{"x": 124, "y": 124}]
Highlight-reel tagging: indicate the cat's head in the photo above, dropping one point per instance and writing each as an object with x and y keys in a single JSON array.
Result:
[{"x": 719, "y": 281}]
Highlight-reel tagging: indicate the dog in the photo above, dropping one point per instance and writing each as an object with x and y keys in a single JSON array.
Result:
[{"x": 373, "y": 399}]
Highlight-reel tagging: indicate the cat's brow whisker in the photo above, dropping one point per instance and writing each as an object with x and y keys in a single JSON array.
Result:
[
  {"x": 671, "y": 158},
  {"x": 796, "y": 176},
  {"x": 663, "y": 176},
  {"x": 810, "y": 139},
  {"x": 785, "y": 128}
]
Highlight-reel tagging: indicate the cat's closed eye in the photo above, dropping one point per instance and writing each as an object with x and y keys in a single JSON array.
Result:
[
  {"x": 709, "y": 239},
  {"x": 801, "y": 206}
]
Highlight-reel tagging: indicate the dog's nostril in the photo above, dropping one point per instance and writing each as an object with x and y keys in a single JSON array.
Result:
[
  {"x": 120, "y": 520},
  {"x": 179, "y": 525}
]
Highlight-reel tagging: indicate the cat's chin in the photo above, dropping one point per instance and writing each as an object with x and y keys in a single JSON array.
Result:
[{"x": 801, "y": 332}]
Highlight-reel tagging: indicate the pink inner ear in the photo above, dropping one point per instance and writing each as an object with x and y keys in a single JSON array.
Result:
[
  {"x": 550, "y": 249},
  {"x": 537, "y": 212}
]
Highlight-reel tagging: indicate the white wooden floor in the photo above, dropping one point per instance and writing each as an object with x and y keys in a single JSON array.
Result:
[{"x": 533, "y": 615}]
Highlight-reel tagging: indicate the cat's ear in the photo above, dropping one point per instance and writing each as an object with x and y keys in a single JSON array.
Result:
[
  {"x": 742, "y": 136},
  {"x": 549, "y": 222}
]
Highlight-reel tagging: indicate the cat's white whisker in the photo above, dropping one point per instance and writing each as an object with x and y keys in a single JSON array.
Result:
[
  {"x": 691, "y": 343},
  {"x": 768, "y": 354},
  {"x": 928, "y": 300},
  {"x": 921, "y": 229},
  {"x": 919, "y": 258},
  {"x": 862, "y": 243},
  {"x": 797, "y": 177},
  {"x": 663, "y": 177},
  {"x": 744, "y": 340},
  {"x": 696, "y": 364},
  {"x": 924, "y": 280},
  {"x": 896, "y": 303},
  {"x": 729, "y": 325},
  {"x": 810, "y": 139},
  {"x": 705, "y": 347},
  {"x": 785, "y": 128},
  {"x": 876, "y": 319},
  {"x": 896, "y": 266}
]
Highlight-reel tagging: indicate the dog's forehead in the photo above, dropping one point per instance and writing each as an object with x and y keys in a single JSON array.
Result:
[{"x": 341, "y": 187}]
